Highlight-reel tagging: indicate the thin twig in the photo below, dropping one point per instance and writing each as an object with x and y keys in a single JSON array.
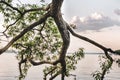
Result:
[{"x": 14, "y": 8}]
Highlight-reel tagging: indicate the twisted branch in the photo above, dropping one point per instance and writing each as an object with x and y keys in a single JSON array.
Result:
[{"x": 106, "y": 50}]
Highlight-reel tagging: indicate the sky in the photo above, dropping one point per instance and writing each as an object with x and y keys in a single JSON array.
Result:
[{"x": 98, "y": 20}]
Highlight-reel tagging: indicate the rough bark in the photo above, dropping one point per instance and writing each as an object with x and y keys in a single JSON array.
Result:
[{"x": 56, "y": 14}]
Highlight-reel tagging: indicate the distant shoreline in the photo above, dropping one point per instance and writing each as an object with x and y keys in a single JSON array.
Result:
[
  {"x": 10, "y": 51},
  {"x": 13, "y": 51}
]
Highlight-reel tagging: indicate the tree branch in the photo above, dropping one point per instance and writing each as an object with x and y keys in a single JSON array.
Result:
[
  {"x": 20, "y": 63},
  {"x": 62, "y": 27},
  {"x": 4, "y": 34},
  {"x": 40, "y": 21},
  {"x": 39, "y": 63},
  {"x": 106, "y": 50},
  {"x": 12, "y": 24},
  {"x": 109, "y": 65},
  {"x": 45, "y": 76},
  {"x": 22, "y": 13},
  {"x": 55, "y": 75},
  {"x": 14, "y": 8},
  {"x": 43, "y": 62},
  {"x": 31, "y": 10},
  {"x": 89, "y": 40}
]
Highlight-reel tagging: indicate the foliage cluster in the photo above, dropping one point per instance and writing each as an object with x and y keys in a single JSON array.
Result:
[
  {"x": 39, "y": 37},
  {"x": 42, "y": 43}
]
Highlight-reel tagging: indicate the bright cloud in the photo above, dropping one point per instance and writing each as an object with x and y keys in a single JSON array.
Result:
[
  {"x": 75, "y": 20},
  {"x": 96, "y": 16},
  {"x": 95, "y": 21}
]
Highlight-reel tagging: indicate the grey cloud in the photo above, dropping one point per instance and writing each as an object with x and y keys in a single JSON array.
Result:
[
  {"x": 117, "y": 11},
  {"x": 95, "y": 21}
]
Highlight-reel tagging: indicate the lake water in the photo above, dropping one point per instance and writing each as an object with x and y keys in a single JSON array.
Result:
[{"x": 89, "y": 64}]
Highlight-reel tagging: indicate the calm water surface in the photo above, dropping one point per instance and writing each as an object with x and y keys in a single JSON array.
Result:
[{"x": 9, "y": 69}]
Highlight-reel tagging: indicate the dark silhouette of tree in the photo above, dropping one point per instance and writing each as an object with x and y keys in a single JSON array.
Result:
[{"x": 41, "y": 36}]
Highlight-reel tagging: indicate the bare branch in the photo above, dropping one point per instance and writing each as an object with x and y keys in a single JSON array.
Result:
[
  {"x": 45, "y": 76},
  {"x": 106, "y": 50},
  {"x": 31, "y": 10},
  {"x": 41, "y": 32},
  {"x": 37, "y": 9},
  {"x": 20, "y": 63},
  {"x": 109, "y": 66},
  {"x": 23, "y": 61},
  {"x": 89, "y": 40},
  {"x": 21, "y": 45},
  {"x": 55, "y": 75},
  {"x": 4, "y": 34},
  {"x": 51, "y": 71},
  {"x": 43, "y": 62},
  {"x": 39, "y": 63}
]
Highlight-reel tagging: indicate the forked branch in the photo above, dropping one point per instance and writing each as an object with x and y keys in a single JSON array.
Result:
[{"x": 40, "y": 21}]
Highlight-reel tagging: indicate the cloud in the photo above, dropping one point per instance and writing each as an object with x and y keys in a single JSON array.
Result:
[
  {"x": 117, "y": 11},
  {"x": 95, "y": 21}
]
